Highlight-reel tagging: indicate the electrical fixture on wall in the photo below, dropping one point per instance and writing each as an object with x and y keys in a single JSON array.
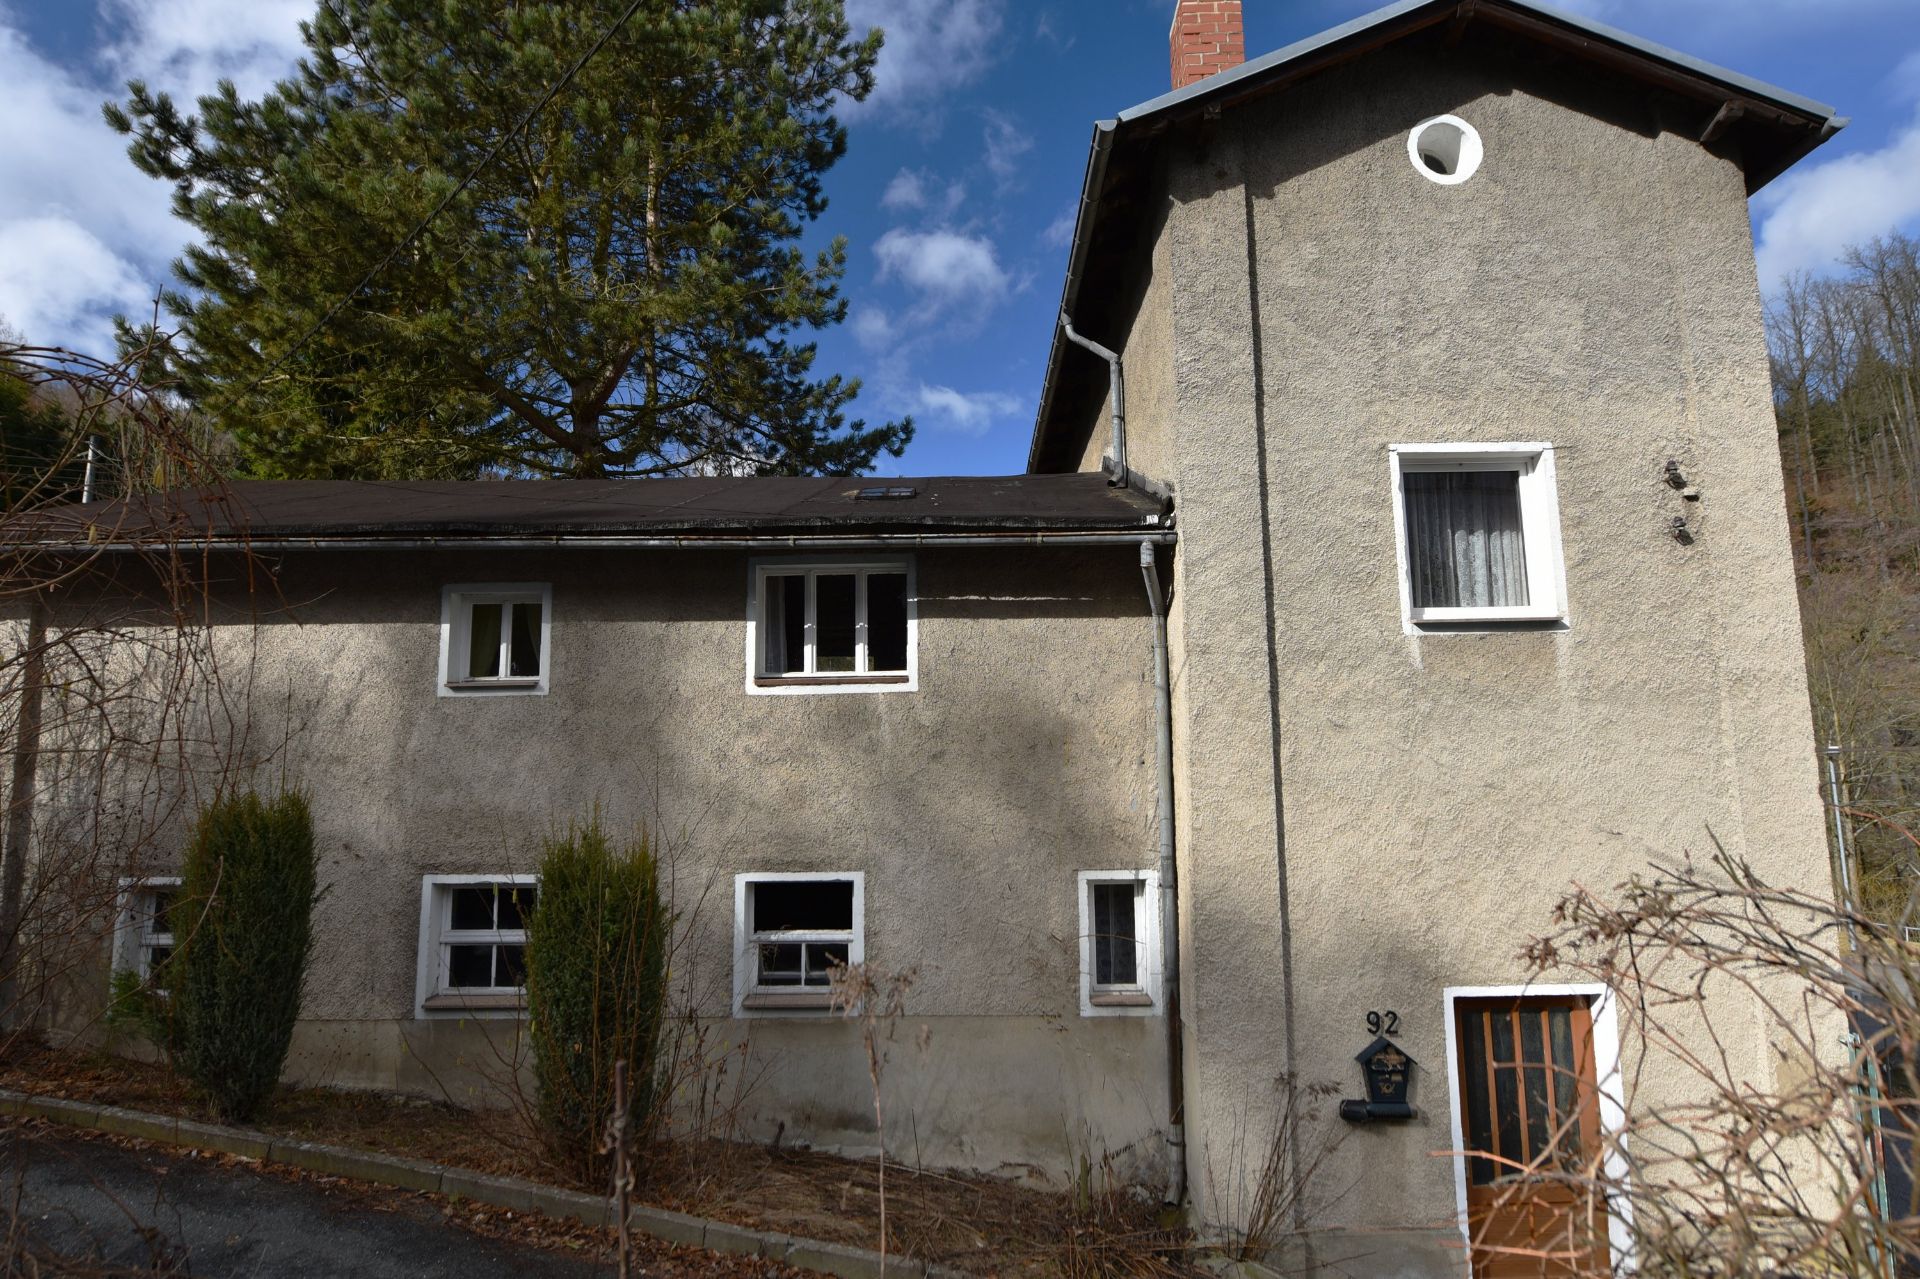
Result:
[
  {"x": 1678, "y": 481},
  {"x": 1680, "y": 527}
]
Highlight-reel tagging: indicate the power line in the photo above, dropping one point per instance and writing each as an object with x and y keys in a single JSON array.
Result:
[{"x": 420, "y": 227}]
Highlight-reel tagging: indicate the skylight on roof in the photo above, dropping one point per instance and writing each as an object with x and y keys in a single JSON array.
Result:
[{"x": 887, "y": 493}]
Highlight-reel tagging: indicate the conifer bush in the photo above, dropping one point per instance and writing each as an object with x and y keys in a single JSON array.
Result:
[
  {"x": 596, "y": 986},
  {"x": 243, "y": 920}
]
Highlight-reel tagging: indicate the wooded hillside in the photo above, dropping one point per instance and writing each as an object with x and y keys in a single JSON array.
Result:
[{"x": 1846, "y": 377}]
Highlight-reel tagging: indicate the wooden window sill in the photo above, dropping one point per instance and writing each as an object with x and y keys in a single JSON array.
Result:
[
  {"x": 1120, "y": 999},
  {"x": 795, "y": 1000},
  {"x": 512, "y": 1001},
  {"x": 779, "y": 681}
]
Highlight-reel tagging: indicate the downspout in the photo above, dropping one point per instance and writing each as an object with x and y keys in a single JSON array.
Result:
[
  {"x": 1169, "y": 887},
  {"x": 1119, "y": 451}
]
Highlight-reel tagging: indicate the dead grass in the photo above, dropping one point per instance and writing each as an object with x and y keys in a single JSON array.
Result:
[{"x": 975, "y": 1222}]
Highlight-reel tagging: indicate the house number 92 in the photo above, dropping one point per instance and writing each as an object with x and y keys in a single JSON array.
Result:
[{"x": 1387, "y": 1023}]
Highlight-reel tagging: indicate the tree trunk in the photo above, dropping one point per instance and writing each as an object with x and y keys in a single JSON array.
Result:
[{"x": 20, "y": 801}]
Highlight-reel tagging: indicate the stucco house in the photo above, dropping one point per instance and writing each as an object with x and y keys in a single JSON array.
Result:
[{"x": 1344, "y": 614}]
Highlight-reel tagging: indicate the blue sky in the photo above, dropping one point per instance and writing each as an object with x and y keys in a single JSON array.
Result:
[{"x": 957, "y": 190}]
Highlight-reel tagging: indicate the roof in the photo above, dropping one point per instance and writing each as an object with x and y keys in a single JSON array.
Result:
[
  {"x": 1525, "y": 15},
  {"x": 332, "y": 512},
  {"x": 1767, "y": 128}
]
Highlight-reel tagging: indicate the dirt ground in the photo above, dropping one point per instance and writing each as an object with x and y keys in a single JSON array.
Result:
[{"x": 976, "y": 1222}]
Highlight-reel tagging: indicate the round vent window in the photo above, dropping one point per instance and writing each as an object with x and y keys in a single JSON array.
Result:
[{"x": 1444, "y": 149}]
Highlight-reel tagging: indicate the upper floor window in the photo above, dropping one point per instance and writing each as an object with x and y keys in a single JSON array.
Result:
[
  {"x": 1479, "y": 533},
  {"x": 493, "y": 638},
  {"x": 826, "y": 626}
]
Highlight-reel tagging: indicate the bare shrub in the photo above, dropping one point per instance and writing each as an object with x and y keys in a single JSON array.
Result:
[
  {"x": 120, "y": 713},
  {"x": 1758, "y": 1024},
  {"x": 1271, "y": 1184},
  {"x": 1109, "y": 1227},
  {"x": 876, "y": 1000}
]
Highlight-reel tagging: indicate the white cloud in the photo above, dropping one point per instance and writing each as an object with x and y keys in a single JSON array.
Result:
[
  {"x": 942, "y": 266},
  {"x": 1905, "y": 80},
  {"x": 84, "y": 232},
  {"x": 188, "y": 46},
  {"x": 1006, "y": 143},
  {"x": 872, "y": 327},
  {"x": 1059, "y": 232},
  {"x": 60, "y": 285},
  {"x": 920, "y": 189},
  {"x": 969, "y": 413},
  {"x": 67, "y": 187},
  {"x": 1629, "y": 12},
  {"x": 1810, "y": 215},
  {"x": 908, "y": 190},
  {"x": 932, "y": 47}
]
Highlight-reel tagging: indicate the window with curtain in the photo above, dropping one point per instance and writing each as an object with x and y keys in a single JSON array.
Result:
[
  {"x": 1466, "y": 547},
  {"x": 1479, "y": 530},
  {"x": 494, "y": 638}
]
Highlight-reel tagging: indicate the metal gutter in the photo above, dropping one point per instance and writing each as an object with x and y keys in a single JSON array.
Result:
[
  {"x": 1096, "y": 174},
  {"x": 872, "y": 541}
]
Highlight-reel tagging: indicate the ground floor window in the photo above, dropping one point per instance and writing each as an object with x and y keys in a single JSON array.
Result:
[
  {"x": 1119, "y": 942},
  {"x": 790, "y": 932},
  {"x": 143, "y": 939},
  {"x": 473, "y": 932},
  {"x": 1527, "y": 1097}
]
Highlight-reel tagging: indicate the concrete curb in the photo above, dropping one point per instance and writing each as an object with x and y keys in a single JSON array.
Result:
[{"x": 500, "y": 1192}]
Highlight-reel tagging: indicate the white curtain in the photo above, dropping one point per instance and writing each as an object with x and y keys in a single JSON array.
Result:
[{"x": 1464, "y": 542}]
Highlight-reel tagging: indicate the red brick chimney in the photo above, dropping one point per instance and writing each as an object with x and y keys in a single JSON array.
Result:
[{"x": 1207, "y": 36}]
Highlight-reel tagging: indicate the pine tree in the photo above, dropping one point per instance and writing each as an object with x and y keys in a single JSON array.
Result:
[{"x": 620, "y": 290}]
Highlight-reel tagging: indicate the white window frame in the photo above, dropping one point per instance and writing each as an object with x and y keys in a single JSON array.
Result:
[
  {"x": 456, "y": 619},
  {"x": 753, "y": 1000},
  {"x": 134, "y": 937},
  {"x": 432, "y": 997},
  {"x": 761, "y": 682},
  {"x": 1613, "y": 1109},
  {"x": 1122, "y": 1001},
  {"x": 1539, "y": 527}
]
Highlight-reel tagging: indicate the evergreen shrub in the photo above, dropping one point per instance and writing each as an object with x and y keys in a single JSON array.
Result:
[
  {"x": 597, "y": 946},
  {"x": 243, "y": 924}
]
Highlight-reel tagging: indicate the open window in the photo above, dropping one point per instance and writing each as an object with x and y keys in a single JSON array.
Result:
[
  {"x": 1479, "y": 534},
  {"x": 790, "y": 932},
  {"x": 143, "y": 937},
  {"x": 494, "y": 638},
  {"x": 836, "y": 626},
  {"x": 473, "y": 943},
  {"x": 1119, "y": 942}
]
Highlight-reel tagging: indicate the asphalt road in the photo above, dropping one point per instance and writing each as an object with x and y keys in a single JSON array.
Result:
[{"x": 89, "y": 1199}]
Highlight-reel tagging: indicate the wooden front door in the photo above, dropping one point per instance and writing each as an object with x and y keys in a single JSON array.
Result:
[{"x": 1531, "y": 1119}]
